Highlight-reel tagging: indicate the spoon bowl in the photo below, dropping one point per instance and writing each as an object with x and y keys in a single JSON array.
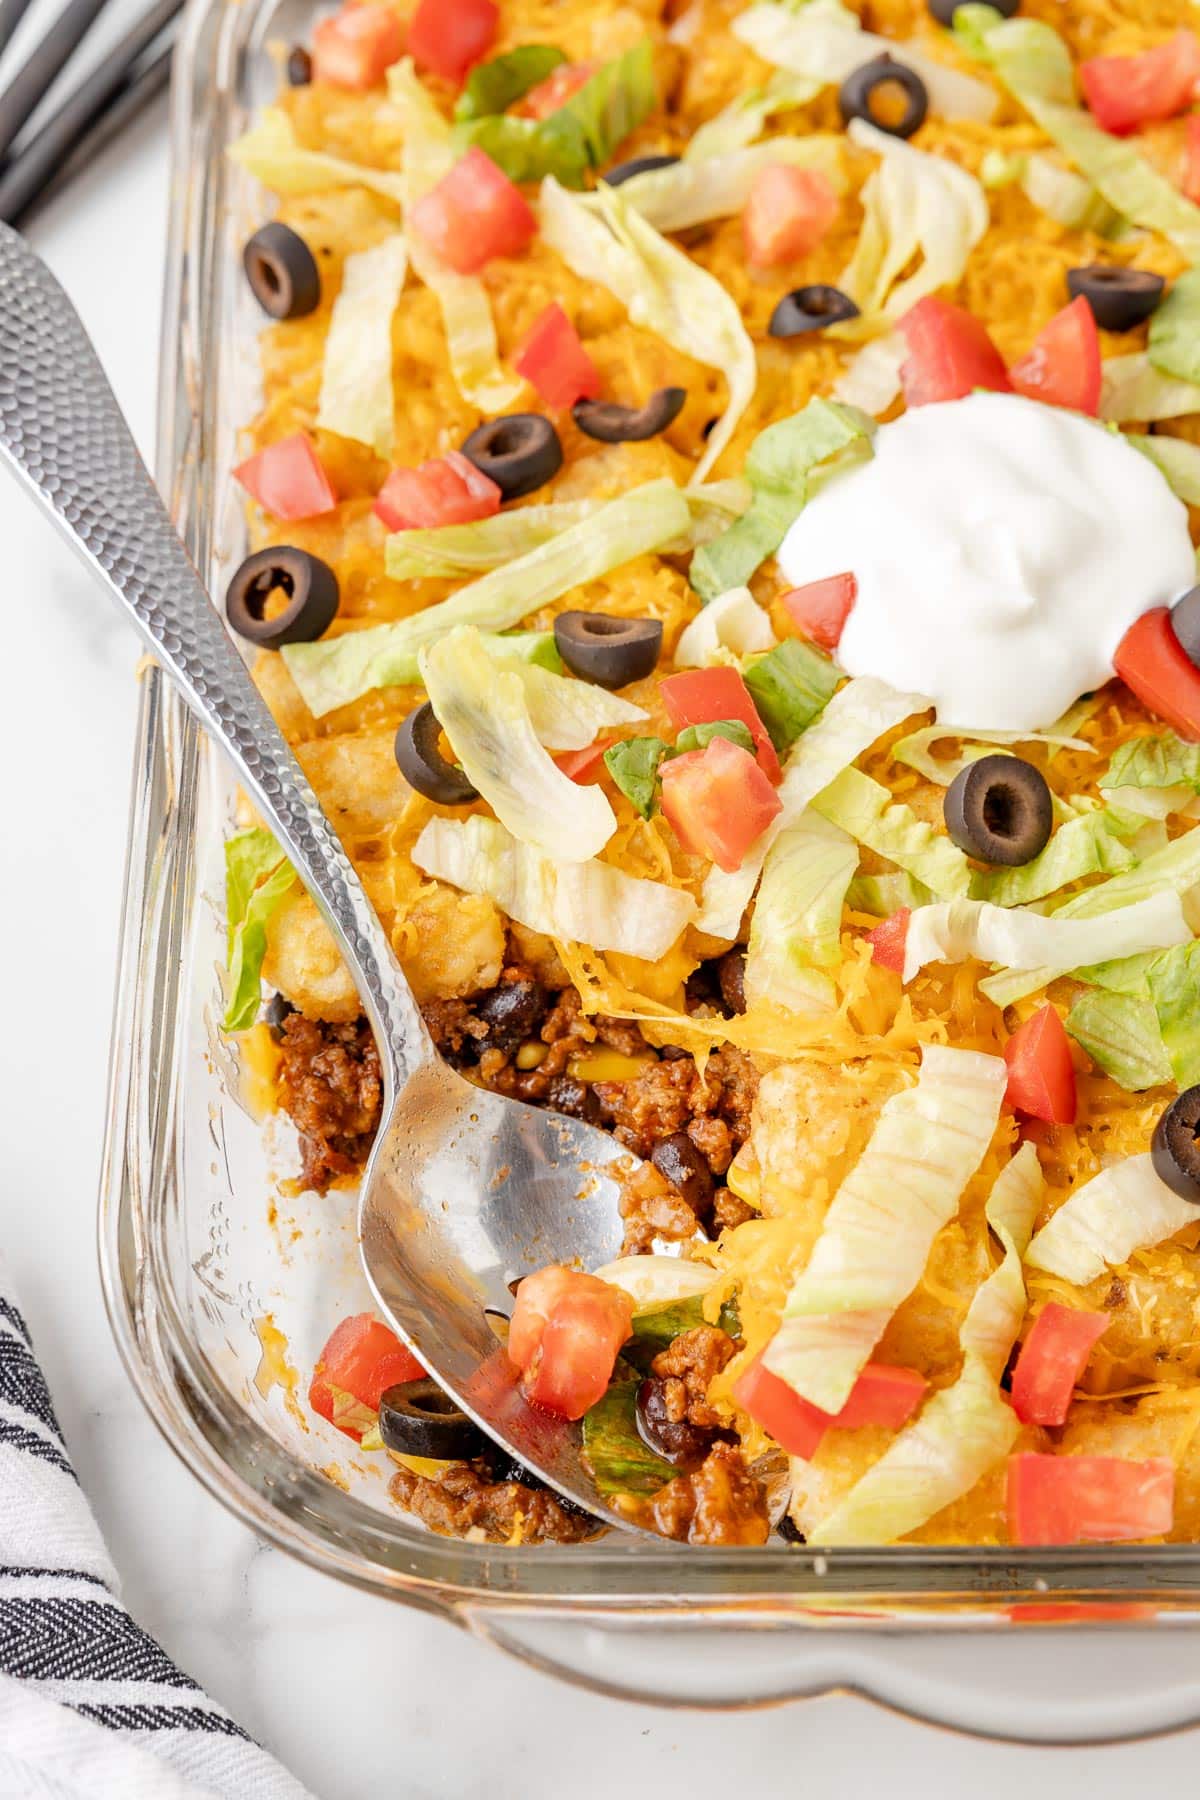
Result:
[{"x": 464, "y": 1189}]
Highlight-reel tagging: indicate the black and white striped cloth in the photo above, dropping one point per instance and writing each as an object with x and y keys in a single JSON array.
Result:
[{"x": 91, "y": 1708}]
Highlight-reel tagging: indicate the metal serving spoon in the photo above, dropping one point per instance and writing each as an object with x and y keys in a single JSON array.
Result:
[{"x": 464, "y": 1189}]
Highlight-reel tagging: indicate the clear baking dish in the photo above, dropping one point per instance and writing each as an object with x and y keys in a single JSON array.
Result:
[{"x": 201, "y": 1256}]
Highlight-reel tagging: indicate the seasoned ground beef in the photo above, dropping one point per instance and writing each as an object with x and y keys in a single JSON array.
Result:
[
  {"x": 718, "y": 1503},
  {"x": 463, "y": 1498},
  {"x": 687, "y": 1368},
  {"x": 331, "y": 1086}
]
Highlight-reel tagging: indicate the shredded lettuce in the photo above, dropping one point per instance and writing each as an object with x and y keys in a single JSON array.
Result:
[
  {"x": 581, "y": 134},
  {"x": 492, "y": 87},
  {"x": 866, "y": 810},
  {"x": 588, "y": 903},
  {"x": 1175, "y": 327},
  {"x": 483, "y": 710},
  {"x": 1034, "y": 64},
  {"x": 334, "y": 671},
  {"x": 1058, "y": 192},
  {"x": 857, "y": 715},
  {"x": 915, "y": 206},
  {"x": 1123, "y": 1209},
  {"x": 876, "y": 1236},
  {"x": 882, "y": 895},
  {"x": 779, "y": 465},
  {"x": 824, "y": 42},
  {"x": 1154, "y": 776},
  {"x": 273, "y": 154},
  {"x": 963, "y": 1430},
  {"x": 694, "y": 191},
  {"x": 327, "y": 682},
  {"x": 790, "y": 685},
  {"x": 1169, "y": 871},
  {"x": 744, "y": 119},
  {"x": 1121, "y": 1033},
  {"x": 1013, "y": 938},
  {"x": 871, "y": 379},
  {"x": 1132, "y": 388},
  {"x": 356, "y": 377},
  {"x": 257, "y": 876},
  {"x": 658, "y": 1280},
  {"x": 662, "y": 290},
  {"x": 633, "y": 765},
  {"x": 613, "y": 1447},
  {"x": 1178, "y": 460},
  {"x": 566, "y": 714},
  {"x": 733, "y": 622},
  {"x": 1093, "y": 843},
  {"x": 796, "y": 931},
  {"x": 462, "y": 299},
  {"x": 916, "y": 750},
  {"x": 1174, "y": 983}
]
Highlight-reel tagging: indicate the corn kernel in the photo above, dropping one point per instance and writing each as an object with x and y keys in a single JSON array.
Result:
[
  {"x": 606, "y": 1065},
  {"x": 531, "y": 1054}
]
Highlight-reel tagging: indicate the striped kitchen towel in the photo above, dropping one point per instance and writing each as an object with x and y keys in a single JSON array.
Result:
[{"x": 90, "y": 1707}]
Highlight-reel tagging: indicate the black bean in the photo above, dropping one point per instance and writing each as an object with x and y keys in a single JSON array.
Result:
[
  {"x": 299, "y": 66},
  {"x": 675, "y": 1440},
  {"x": 731, "y": 974},
  {"x": 512, "y": 1012},
  {"x": 576, "y": 1098},
  {"x": 678, "y": 1159}
]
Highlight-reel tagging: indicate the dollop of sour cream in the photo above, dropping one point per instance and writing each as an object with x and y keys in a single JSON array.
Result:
[{"x": 1002, "y": 548}]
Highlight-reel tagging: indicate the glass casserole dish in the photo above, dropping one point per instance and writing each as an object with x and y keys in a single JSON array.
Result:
[{"x": 216, "y": 1289}]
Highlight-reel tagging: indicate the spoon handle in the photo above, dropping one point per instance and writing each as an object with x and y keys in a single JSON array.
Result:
[{"x": 63, "y": 432}]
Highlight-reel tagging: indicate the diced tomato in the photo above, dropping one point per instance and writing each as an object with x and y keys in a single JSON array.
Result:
[
  {"x": 1088, "y": 1499},
  {"x": 882, "y": 1395},
  {"x": 1041, "y": 1075},
  {"x": 447, "y": 491},
  {"x": 1052, "y": 1359},
  {"x": 582, "y": 765},
  {"x": 287, "y": 479},
  {"x": 702, "y": 696},
  {"x": 888, "y": 941},
  {"x": 1062, "y": 367},
  {"x": 553, "y": 360},
  {"x": 448, "y": 36},
  {"x": 1124, "y": 92},
  {"x": 718, "y": 802},
  {"x": 788, "y": 211},
  {"x": 353, "y": 49},
  {"x": 1191, "y": 161},
  {"x": 473, "y": 214},
  {"x": 564, "y": 1337},
  {"x": 1152, "y": 663},
  {"x": 820, "y": 608},
  {"x": 362, "y": 1359},
  {"x": 561, "y": 85},
  {"x": 949, "y": 354}
]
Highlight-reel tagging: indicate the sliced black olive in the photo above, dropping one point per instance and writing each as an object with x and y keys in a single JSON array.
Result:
[
  {"x": 613, "y": 424},
  {"x": 678, "y": 1159},
  {"x": 787, "y": 1527},
  {"x": 1119, "y": 298},
  {"x": 519, "y": 452},
  {"x": 422, "y": 764},
  {"x": 610, "y": 652},
  {"x": 637, "y": 165},
  {"x": 944, "y": 10},
  {"x": 1000, "y": 810},
  {"x": 299, "y": 66},
  {"x": 282, "y": 272},
  {"x": 858, "y": 92},
  {"x": 1175, "y": 1147},
  {"x": 811, "y": 308},
  {"x": 418, "y": 1418},
  {"x": 1185, "y": 623},
  {"x": 309, "y": 585}
]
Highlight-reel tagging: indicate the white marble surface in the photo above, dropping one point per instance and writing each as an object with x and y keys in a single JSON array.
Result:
[{"x": 361, "y": 1698}]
